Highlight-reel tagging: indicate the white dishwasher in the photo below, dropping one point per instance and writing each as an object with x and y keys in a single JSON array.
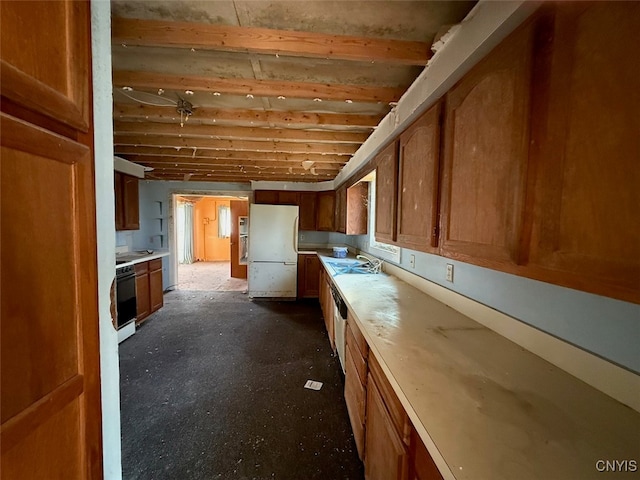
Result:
[{"x": 339, "y": 324}]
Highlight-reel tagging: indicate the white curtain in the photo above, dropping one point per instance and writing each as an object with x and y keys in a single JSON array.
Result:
[
  {"x": 224, "y": 221},
  {"x": 185, "y": 233}
]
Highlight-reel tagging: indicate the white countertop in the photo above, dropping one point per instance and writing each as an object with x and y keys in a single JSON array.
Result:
[
  {"x": 485, "y": 407},
  {"x": 131, "y": 258}
]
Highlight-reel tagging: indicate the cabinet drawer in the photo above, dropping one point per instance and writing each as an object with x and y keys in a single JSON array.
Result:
[
  {"x": 358, "y": 338},
  {"x": 155, "y": 264},
  {"x": 141, "y": 268},
  {"x": 359, "y": 362},
  {"x": 392, "y": 403}
]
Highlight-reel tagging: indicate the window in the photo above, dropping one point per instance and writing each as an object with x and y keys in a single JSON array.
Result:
[{"x": 224, "y": 221}]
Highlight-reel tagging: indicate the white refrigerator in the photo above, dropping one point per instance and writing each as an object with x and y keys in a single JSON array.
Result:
[{"x": 273, "y": 251}]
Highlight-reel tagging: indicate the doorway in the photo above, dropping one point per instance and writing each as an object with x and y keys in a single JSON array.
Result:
[{"x": 212, "y": 239}]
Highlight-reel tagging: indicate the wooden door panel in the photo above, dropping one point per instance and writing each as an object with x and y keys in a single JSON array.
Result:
[
  {"x": 588, "y": 181},
  {"x": 419, "y": 165},
  {"x": 386, "y": 193},
  {"x": 58, "y": 438},
  {"x": 485, "y": 161},
  {"x": 155, "y": 290},
  {"x": 35, "y": 68},
  {"x": 37, "y": 318},
  {"x": 49, "y": 323}
]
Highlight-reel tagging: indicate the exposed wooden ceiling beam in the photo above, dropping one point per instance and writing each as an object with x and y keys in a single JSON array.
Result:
[
  {"x": 246, "y": 133},
  {"x": 147, "y": 112},
  {"x": 127, "y": 150},
  {"x": 157, "y": 161},
  {"x": 257, "y": 146},
  {"x": 265, "y": 88},
  {"x": 267, "y": 41},
  {"x": 233, "y": 177},
  {"x": 246, "y": 170}
]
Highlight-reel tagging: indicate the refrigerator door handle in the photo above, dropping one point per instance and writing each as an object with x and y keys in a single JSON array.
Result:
[
  {"x": 295, "y": 234},
  {"x": 290, "y": 263}
]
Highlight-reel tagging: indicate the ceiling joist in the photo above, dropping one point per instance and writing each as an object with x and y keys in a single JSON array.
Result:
[
  {"x": 261, "y": 88},
  {"x": 267, "y": 41},
  {"x": 245, "y": 133},
  {"x": 256, "y": 146},
  {"x": 153, "y": 113},
  {"x": 183, "y": 153},
  {"x": 242, "y": 178},
  {"x": 213, "y": 162}
]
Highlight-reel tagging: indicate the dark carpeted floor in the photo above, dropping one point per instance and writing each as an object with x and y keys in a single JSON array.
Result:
[{"x": 212, "y": 388}]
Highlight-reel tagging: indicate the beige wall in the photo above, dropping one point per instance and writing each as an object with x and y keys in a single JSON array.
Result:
[{"x": 208, "y": 247}]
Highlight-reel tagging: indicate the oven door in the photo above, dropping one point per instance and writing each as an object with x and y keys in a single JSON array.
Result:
[{"x": 126, "y": 295}]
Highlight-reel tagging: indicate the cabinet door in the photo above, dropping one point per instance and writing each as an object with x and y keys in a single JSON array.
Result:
[
  {"x": 326, "y": 213},
  {"x": 142, "y": 296},
  {"x": 155, "y": 285},
  {"x": 385, "y": 454},
  {"x": 130, "y": 202},
  {"x": 421, "y": 465},
  {"x": 269, "y": 197},
  {"x": 341, "y": 210},
  {"x": 307, "y": 201},
  {"x": 418, "y": 170},
  {"x": 357, "y": 211},
  {"x": 312, "y": 269},
  {"x": 287, "y": 198},
  {"x": 586, "y": 226},
  {"x": 117, "y": 186},
  {"x": 355, "y": 398},
  {"x": 485, "y": 158},
  {"x": 386, "y": 192}
]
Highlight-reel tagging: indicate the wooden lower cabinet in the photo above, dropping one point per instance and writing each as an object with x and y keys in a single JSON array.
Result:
[
  {"x": 386, "y": 455},
  {"x": 327, "y": 305},
  {"x": 155, "y": 286},
  {"x": 421, "y": 465},
  {"x": 355, "y": 383},
  {"x": 308, "y": 276},
  {"x": 142, "y": 291},
  {"x": 149, "y": 292}
]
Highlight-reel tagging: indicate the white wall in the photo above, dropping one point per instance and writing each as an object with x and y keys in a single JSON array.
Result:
[{"x": 105, "y": 221}]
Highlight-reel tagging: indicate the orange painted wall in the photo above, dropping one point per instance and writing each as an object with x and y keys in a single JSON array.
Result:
[{"x": 208, "y": 247}]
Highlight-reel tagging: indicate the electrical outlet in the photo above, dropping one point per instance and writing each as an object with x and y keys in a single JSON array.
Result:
[
  {"x": 412, "y": 261},
  {"x": 302, "y": 236},
  {"x": 449, "y": 272}
]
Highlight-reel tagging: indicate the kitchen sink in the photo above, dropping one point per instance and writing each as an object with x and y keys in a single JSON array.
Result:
[{"x": 348, "y": 266}]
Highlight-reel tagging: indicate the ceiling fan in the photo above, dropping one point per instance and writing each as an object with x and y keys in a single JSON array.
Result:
[{"x": 183, "y": 107}]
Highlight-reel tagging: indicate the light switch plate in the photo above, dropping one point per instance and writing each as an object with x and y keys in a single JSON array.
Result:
[
  {"x": 449, "y": 272},
  {"x": 412, "y": 261}
]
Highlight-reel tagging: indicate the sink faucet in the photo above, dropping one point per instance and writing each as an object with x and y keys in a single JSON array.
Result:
[{"x": 373, "y": 265}]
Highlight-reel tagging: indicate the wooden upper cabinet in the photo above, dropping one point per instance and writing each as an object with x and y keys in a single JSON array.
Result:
[
  {"x": 127, "y": 202},
  {"x": 485, "y": 158},
  {"x": 34, "y": 68},
  {"x": 287, "y": 197},
  {"x": 357, "y": 212},
  {"x": 269, "y": 197},
  {"x": 418, "y": 170},
  {"x": 386, "y": 193},
  {"x": 131, "y": 202},
  {"x": 585, "y": 231},
  {"x": 341, "y": 209},
  {"x": 326, "y": 211},
  {"x": 307, "y": 203}
]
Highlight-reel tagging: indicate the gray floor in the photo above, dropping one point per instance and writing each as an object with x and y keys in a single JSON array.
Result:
[{"x": 212, "y": 387}]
